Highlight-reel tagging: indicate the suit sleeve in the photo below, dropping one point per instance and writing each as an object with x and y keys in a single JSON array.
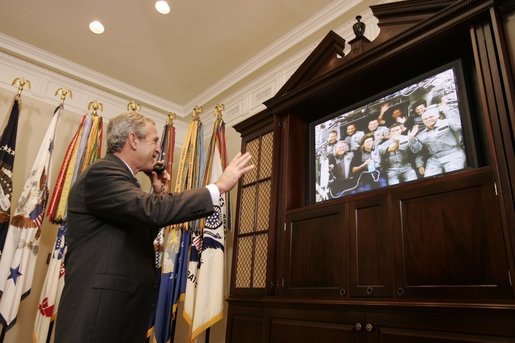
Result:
[{"x": 110, "y": 193}]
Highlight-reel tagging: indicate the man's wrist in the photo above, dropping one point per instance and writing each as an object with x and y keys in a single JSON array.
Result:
[{"x": 215, "y": 192}]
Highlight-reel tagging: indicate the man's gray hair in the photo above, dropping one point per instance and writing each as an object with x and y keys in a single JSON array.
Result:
[{"x": 120, "y": 126}]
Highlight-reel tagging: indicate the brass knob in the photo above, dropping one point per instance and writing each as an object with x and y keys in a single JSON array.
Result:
[
  {"x": 343, "y": 291},
  {"x": 400, "y": 291},
  {"x": 358, "y": 326},
  {"x": 370, "y": 290},
  {"x": 369, "y": 327}
]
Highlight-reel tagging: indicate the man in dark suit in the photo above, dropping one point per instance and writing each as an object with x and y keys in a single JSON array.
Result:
[{"x": 110, "y": 278}]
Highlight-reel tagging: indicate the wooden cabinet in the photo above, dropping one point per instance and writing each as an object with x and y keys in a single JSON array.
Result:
[
  {"x": 394, "y": 326},
  {"x": 315, "y": 252},
  {"x": 429, "y": 260},
  {"x": 458, "y": 325},
  {"x": 370, "y": 248},
  {"x": 245, "y": 324},
  {"x": 254, "y": 214},
  {"x": 449, "y": 240},
  {"x": 301, "y": 325},
  {"x": 441, "y": 239}
]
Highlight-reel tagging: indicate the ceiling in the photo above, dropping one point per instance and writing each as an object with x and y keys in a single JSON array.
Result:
[{"x": 176, "y": 56}]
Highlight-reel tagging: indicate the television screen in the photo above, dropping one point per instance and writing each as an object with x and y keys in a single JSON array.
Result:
[{"x": 408, "y": 133}]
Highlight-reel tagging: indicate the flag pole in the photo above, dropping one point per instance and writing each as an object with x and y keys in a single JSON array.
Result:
[{"x": 219, "y": 114}]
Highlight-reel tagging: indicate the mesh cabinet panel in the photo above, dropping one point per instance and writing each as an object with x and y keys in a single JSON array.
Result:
[
  {"x": 243, "y": 270},
  {"x": 247, "y": 212},
  {"x": 254, "y": 216},
  {"x": 259, "y": 280}
]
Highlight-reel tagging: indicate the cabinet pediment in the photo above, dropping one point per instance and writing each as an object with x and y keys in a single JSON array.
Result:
[
  {"x": 326, "y": 56},
  {"x": 394, "y": 20}
]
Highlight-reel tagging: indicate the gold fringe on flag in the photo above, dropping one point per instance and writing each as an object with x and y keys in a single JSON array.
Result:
[
  {"x": 75, "y": 162},
  {"x": 56, "y": 194}
]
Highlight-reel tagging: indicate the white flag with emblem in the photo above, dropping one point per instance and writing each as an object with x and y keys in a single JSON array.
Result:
[
  {"x": 22, "y": 242},
  {"x": 204, "y": 300}
]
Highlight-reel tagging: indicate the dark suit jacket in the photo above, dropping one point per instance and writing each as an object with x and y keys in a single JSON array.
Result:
[{"x": 110, "y": 277}]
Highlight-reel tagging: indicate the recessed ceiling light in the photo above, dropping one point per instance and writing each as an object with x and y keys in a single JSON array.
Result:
[
  {"x": 162, "y": 7},
  {"x": 96, "y": 27}
]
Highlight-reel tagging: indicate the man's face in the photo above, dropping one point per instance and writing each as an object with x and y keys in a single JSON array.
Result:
[
  {"x": 395, "y": 132},
  {"x": 148, "y": 149},
  {"x": 373, "y": 124},
  {"x": 397, "y": 113},
  {"x": 368, "y": 144},
  {"x": 430, "y": 118},
  {"x": 332, "y": 138},
  {"x": 420, "y": 109},
  {"x": 351, "y": 129},
  {"x": 341, "y": 148}
]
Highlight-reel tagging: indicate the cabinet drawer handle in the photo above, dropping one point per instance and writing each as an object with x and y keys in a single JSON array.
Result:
[
  {"x": 369, "y": 327},
  {"x": 343, "y": 291},
  {"x": 370, "y": 290},
  {"x": 400, "y": 291},
  {"x": 358, "y": 326}
]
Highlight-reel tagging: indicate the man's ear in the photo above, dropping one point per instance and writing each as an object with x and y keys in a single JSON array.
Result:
[{"x": 133, "y": 140}]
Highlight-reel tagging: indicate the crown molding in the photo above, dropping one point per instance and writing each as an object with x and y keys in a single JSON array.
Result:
[
  {"x": 45, "y": 82},
  {"x": 76, "y": 71},
  {"x": 282, "y": 45}
]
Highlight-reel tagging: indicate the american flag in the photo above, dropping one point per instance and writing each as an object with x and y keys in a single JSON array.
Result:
[{"x": 7, "y": 149}]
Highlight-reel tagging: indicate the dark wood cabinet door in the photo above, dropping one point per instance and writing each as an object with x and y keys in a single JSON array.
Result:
[
  {"x": 289, "y": 330},
  {"x": 449, "y": 239},
  {"x": 299, "y": 326},
  {"x": 244, "y": 324},
  {"x": 409, "y": 335},
  {"x": 246, "y": 329},
  {"x": 316, "y": 252},
  {"x": 370, "y": 248},
  {"x": 255, "y": 218},
  {"x": 441, "y": 326}
]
